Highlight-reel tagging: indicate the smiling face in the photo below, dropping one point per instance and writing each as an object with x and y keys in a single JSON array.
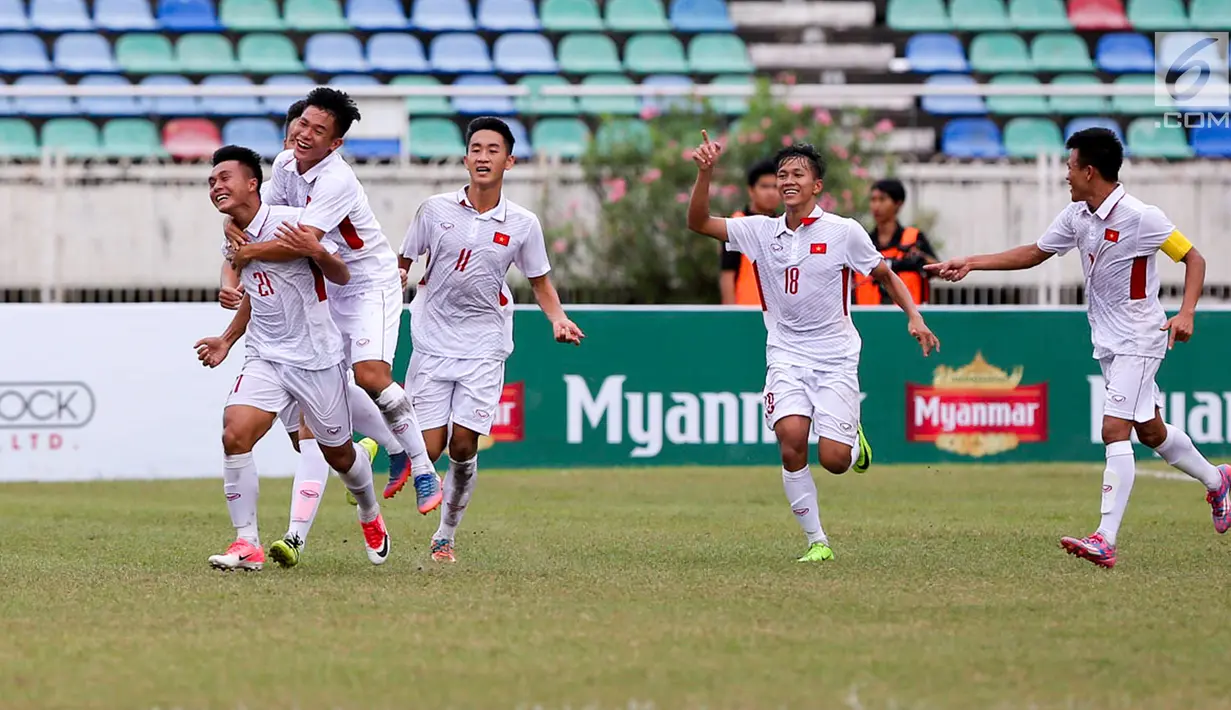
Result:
[
  {"x": 231, "y": 185},
  {"x": 314, "y": 135},
  {"x": 797, "y": 183},
  {"x": 487, "y": 157}
]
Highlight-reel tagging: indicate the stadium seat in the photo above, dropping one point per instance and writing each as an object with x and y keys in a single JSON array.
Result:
[
  {"x": 188, "y": 16},
  {"x": 268, "y": 54},
  {"x": 259, "y": 134},
  {"x": 626, "y": 105},
  {"x": 424, "y": 105},
  {"x": 170, "y": 105},
  {"x": 75, "y": 137},
  {"x": 1212, "y": 141},
  {"x": 667, "y": 102},
  {"x": 953, "y": 105},
  {"x": 278, "y": 105},
  {"x": 83, "y": 52},
  {"x": 570, "y": 16},
  {"x": 971, "y": 138},
  {"x": 459, "y": 53},
  {"x": 334, "y": 53},
  {"x": 1149, "y": 138},
  {"x": 630, "y": 134},
  {"x": 1157, "y": 15},
  {"x": 929, "y": 53},
  {"x": 372, "y": 149},
  {"x": 1097, "y": 15},
  {"x": 917, "y": 16},
  {"x": 731, "y": 105},
  {"x": 700, "y": 16},
  {"x": 636, "y": 16},
  {"x": 719, "y": 54},
  {"x": 376, "y": 15},
  {"x": 191, "y": 138},
  {"x": 482, "y": 105},
  {"x": 250, "y": 16},
  {"x": 978, "y": 15},
  {"x": 508, "y": 16},
  {"x": 23, "y": 54},
  {"x": 1060, "y": 52},
  {"x": 231, "y": 105},
  {"x": 1027, "y": 137},
  {"x": 522, "y": 148},
  {"x": 144, "y": 54},
  {"x": 1124, "y": 52},
  {"x": 655, "y": 54},
  {"x": 201, "y": 53},
  {"x": 1080, "y": 104},
  {"x": 996, "y": 52},
  {"x": 1080, "y": 124},
  {"x": 1021, "y": 105},
  {"x": 435, "y": 138},
  {"x": 17, "y": 139},
  {"x": 108, "y": 105},
  {"x": 59, "y": 16},
  {"x": 1210, "y": 15},
  {"x": 565, "y": 138},
  {"x": 396, "y": 52},
  {"x": 131, "y": 138},
  {"x": 124, "y": 15},
  {"x": 315, "y": 16},
  {"x": 524, "y": 53},
  {"x": 1177, "y": 44},
  {"x": 6, "y": 103},
  {"x": 347, "y": 80},
  {"x": 442, "y": 15},
  {"x": 13, "y": 16},
  {"x": 585, "y": 53},
  {"x": 535, "y": 104},
  {"x": 43, "y": 105},
  {"x": 1141, "y": 104},
  {"x": 1038, "y": 15}
]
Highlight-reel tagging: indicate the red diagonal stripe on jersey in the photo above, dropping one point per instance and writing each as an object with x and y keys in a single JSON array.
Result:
[
  {"x": 808, "y": 220},
  {"x": 318, "y": 279},
  {"x": 819, "y": 248},
  {"x": 501, "y": 238},
  {"x": 1137, "y": 280},
  {"x": 846, "y": 291},
  {"x": 760, "y": 292}
]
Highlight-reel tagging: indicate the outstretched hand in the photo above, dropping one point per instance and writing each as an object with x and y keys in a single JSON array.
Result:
[
  {"x": 924, "y": 335},
  {"x": 212, "y": 351},
  {"x": 566, "y": 331},
  {"x": 951, "y": 269}
]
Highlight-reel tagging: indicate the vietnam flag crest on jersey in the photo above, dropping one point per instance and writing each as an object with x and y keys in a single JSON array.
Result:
[
  {"x": 501, "y": 238},
  {"x": 818, "y": 248}
]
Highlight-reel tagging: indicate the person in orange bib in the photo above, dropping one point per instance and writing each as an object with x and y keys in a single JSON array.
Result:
[
  {"x": 736, "y": 281},
  {"x": 906, "y": 249}
]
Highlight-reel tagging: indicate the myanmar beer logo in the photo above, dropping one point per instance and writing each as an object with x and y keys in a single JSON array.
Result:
[
  {"x": 509, "y": 423},
  {"x": 976, "y": 410}
]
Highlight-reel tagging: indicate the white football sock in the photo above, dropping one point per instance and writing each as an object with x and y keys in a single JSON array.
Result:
[
  {"x": 801, "y": 494},
  {"x": 1179, "y": 451},
  {"x": 366, "y": 418},
  {"x": 400, "y": 416},
  {"x": 311, "y": 475},
  {"x": 242, "y": 488},
  {"x": 459, "y": 485},
  {"x": 358, "y": 480},
  {"x": 1118, "y": 480}
]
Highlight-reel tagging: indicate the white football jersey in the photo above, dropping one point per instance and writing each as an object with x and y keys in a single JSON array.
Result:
[
  {"x": 804, "y": 277},
  {"x": 1118, "y": 244},
  {"x": 335, "y": 203},
  {"x": 464, "y": 308}
]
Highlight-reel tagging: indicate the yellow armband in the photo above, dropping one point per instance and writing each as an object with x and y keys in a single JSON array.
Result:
[{"x": 1177, "y": 246}]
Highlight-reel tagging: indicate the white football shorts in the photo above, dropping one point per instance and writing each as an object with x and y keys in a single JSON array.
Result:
[
  {"x": 830, "y": 399},
  {"x": 369, "y": 321},
  {"x": 321, "y": 394},
  {"x": 448, "y": 390},
  {"x": 1132, "y": 393}
]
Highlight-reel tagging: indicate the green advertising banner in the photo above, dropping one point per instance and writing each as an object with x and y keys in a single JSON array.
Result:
[{"x": 678, "y": 386}]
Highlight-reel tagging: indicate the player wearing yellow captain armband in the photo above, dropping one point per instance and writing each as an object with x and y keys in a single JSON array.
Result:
[{"x": 1119, "y": 237}]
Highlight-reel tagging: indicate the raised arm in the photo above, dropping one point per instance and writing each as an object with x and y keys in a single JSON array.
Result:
[{"x": 699, "y": 218}]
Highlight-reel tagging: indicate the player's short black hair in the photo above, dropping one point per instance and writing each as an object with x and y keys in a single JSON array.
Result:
[
  {"x": 1100, "y": 149},
  {"x": 293, "y": 113},
  {"x": 339, "y": 104},
  {"x": 244, "y": 156},
  {"x": 893, "y": 189},
  {"x": 760, "y": 169},
  {"x": 805, "y": 152},
  {"x": 490, "y": 123}
]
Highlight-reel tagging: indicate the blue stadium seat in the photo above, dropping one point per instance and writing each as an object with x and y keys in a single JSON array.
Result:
[
  {"x": 953, "y": 105},
  {"x": 522, "y": 150},
  {"x": 442, "y": 15},
  {"x": 666, "y": 103},
  {"x": 516, "y": 53},
  {"x": 459, "y": 53},
  {"x": 482, "y": 105},
  {"x": 231, "y": 105},
  {"x": 108, "y": 105},
  {"x": 1078, "y": 124},
  {"x": 397, "y": 53},
  {"x": 13, "y": 16},
  {"x": 278, "y": 105},
  {"x": 6, "y": 108},
  {"x": 971, "y": 138},
  {"x": 43, "y": 105},
  {"x": 346, "y": 80},
  {"x": 1211, "y": 141},
  {"x": 508, "y": 16},
  {"x": 372, "y": 148},
  {"x": 188, "y": 16},
  {"x": 700, "y": 16},
  {"x": 59, "y": 15},
  {"x": 929, "y": 53},
  {"x": 376, "y": 15},
  {"x": 83, "y": 53},
  {"x": 170, "y": 105},
  {"x": 124, "y": 15},
  {"x": 334, "y": 53},
  {"x": 23, "y": 54},
  {"x": 259, "y": 134},
  {"x": 1124, "y": 53}
]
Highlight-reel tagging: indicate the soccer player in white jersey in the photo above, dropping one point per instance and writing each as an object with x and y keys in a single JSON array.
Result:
[
  {"x": 461, "y": 319},
  {"x": 1118, "y": 237},
  {"x": 294, "y": 351},
  {"x": 804, "y": 262}
]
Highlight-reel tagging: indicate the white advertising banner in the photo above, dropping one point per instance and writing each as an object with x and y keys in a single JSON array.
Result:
[{"x": 115, "y": 391}]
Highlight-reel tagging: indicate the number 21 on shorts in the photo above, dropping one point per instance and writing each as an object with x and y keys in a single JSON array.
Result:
[{"x": 792, "y": 280}]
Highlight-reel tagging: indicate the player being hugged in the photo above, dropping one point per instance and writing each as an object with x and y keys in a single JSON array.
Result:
[
  {"x": 804, "y": 262},
  {"x": 294, "y": 352},
  {"x": 461, "y": 319}
]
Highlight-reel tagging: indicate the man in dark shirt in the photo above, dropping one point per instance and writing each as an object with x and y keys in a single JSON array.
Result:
[
  {"x": 905, "y": 248},
  {"x": 736, "y": 281}
]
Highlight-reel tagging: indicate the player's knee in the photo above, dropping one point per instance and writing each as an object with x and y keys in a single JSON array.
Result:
[
  {"x": 235, "y": 441},
  {"x": 339, "y": 458},
  {"x": 463, "y": 445},
  {"x": 294, "y": 436},
  {"x": 1116, "y": 430},
  {"x": 835, "y": 460},
  {"x": 1152, "y": 433},
  {"x": 794, "y": 454},
  {"x": 373, "y": 376}
]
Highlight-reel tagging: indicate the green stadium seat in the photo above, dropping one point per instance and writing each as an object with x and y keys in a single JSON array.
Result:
[
  {"x": 1149, "y": 138},
  {"x": 268, "y": 54},
  {"x": 1157, "y": 15},
  {"x": 77, "y": 137},
  {"x": 997, "y": 52},
  {"x": 978, "y": 15},
  {"x": 1078, "y": 105},
  {"x": 435, "y": 139},
  {"x": 719, "y": 54},
  {"x": 315, "y": 15},
  {"x": 537, "y": 105},
  {"x": 917, "y": 16},
  {"x": 570, "y": 16},
  {"x": 626, "y": 105},
  {"x": 1060, "y": 52},
  {"x": 17, "y": 139},
  {"x": 623, "y": 135},
  {"x": 206, "y": 54},
  {"x": 1026, "y": 137},
  {"x": 132, "y": 138},
  {"x": 424, "y": 105},
  {"x": 145, "y": 54},
  {"x": 1210, "y": 15},
  {"x": 588, "y": 54},
  {"x": 655, "y": 54},
  {"x": 1038, "y": 15},
  {"x": 731, "y": 105},
  {"x": 1017, "y": 105},
  {"x": 636, "y": 16},
  {"x": 565, "y": 137},
  {"x": 250, "y": 16},
  {"x": 1140, "y": 105}
]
